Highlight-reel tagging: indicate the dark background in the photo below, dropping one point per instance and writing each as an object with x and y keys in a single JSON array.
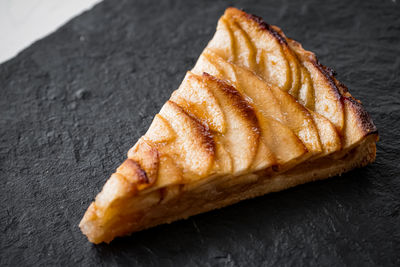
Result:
[{"x": 73, "y": 103}]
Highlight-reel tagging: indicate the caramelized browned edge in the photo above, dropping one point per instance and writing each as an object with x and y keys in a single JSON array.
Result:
[
  {"x": 138, "y": 171},
  {"x": 204, "y": 131},
  {"x": 237, "y": 99}
]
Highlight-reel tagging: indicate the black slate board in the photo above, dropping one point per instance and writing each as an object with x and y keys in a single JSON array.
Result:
[{"x": 73, "y": 103}]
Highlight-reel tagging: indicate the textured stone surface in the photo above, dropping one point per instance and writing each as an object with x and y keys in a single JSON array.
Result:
[{"x": 72, "y": 104}]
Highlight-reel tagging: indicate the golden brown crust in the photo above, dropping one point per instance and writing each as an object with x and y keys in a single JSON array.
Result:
[
  {"x": 252, "y": 185},
  {"x": 313, "y": 171}
]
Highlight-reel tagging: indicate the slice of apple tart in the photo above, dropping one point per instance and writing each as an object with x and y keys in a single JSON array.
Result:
[{"x": 257, "y": 114}]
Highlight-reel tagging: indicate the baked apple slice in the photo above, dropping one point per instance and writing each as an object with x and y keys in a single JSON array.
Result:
[
  {"x": 317, "y": 133},
  {"x": 275, "y": 59}
]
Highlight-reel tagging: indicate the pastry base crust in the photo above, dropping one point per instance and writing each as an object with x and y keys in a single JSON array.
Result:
[
  {"x": 210, "y": 196},
  {"x": 306, "y": 172}
]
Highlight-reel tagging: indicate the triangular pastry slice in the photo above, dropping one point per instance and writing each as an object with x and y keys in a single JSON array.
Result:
[{"x": 257, "y": 114}]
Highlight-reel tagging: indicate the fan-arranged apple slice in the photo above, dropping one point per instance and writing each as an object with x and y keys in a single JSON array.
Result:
[
  {"x": 275, "y": 61},
  {"x": 274, "y": 103},
  {"x": 257, "y": 114},
  {"x": 269, "y": 130},
  {"x": 357, "y": 122},
  {"x": 240, "y": 130},
  {"x": 232, "y": 42}
]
